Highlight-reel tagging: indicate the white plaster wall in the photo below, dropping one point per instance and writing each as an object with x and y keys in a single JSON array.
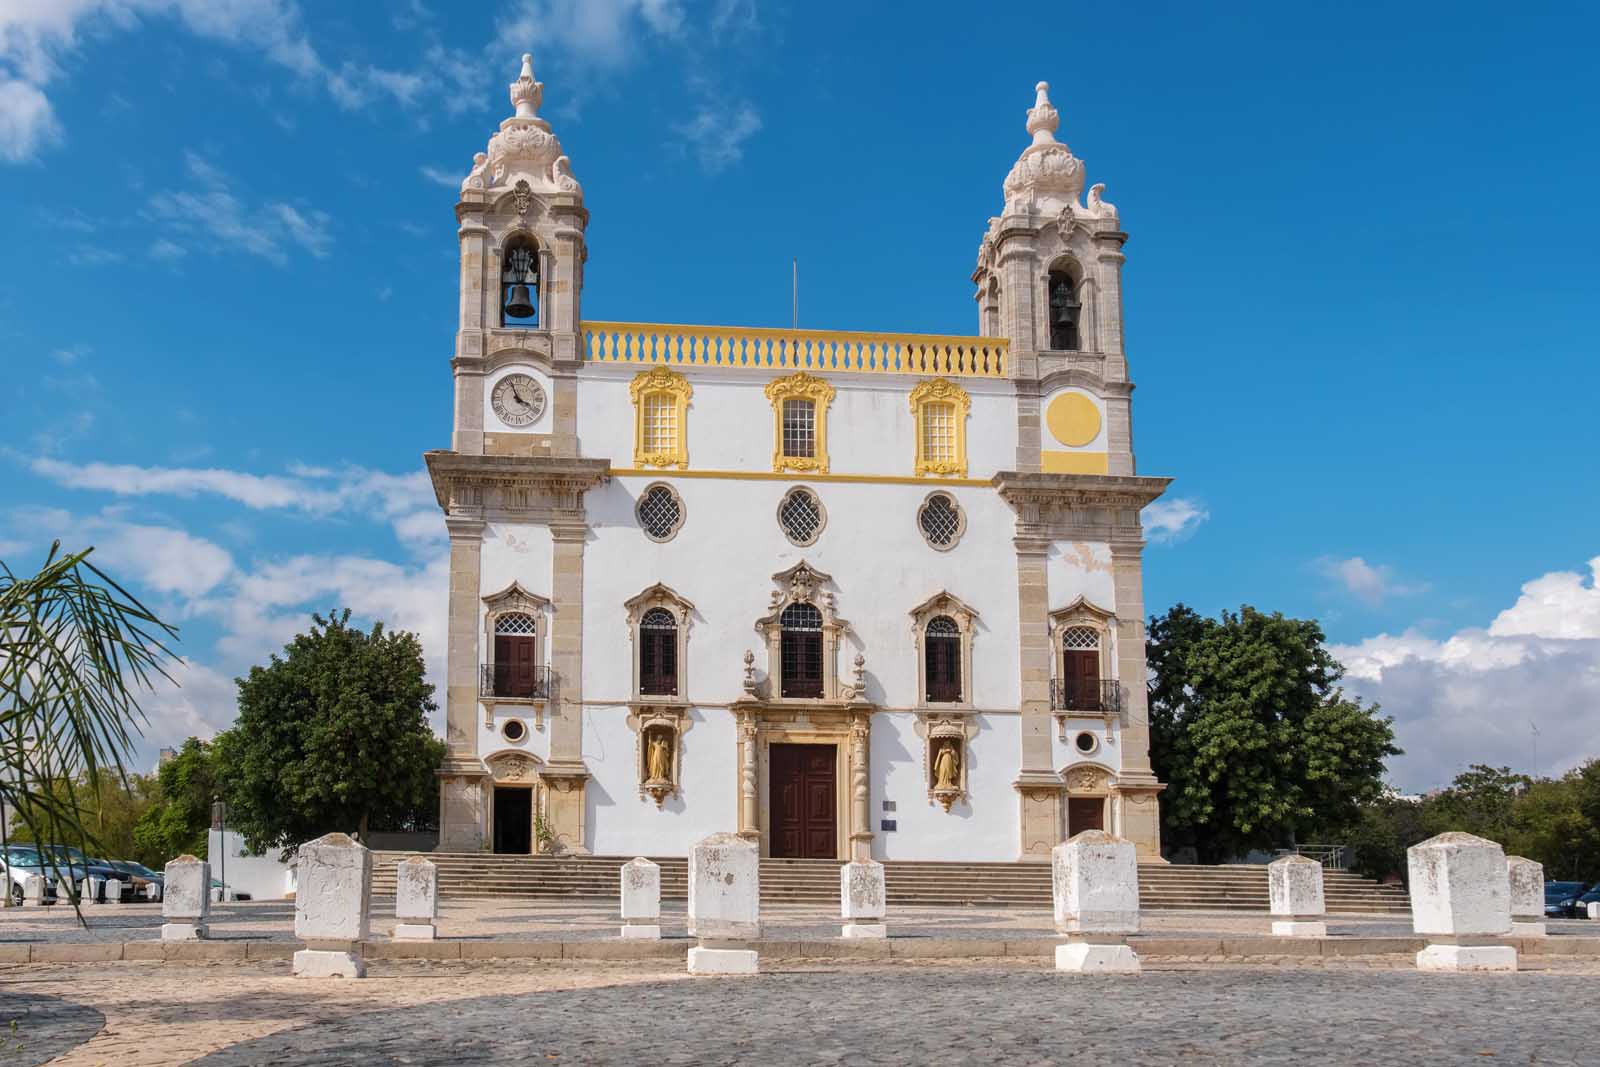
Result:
[
  {"x": 621, "y": 824},
  {"x": 1065, "y": 754},
  {"x": 1053, "y": 445},
  {"x": 491, "y": 421},
  {"x": 1079, "y": 568},
  {"x": 261, "y": 877},
  {"x": 984, "y": 827},
  {"x": 536, "y": 742},
  {"x": 723, "y": 559},
  {"x": 518, "y": 552},
  {"x": 730, "y": 425}
]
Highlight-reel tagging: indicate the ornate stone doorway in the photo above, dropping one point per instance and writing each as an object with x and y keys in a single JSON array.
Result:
[
  {"x": 1085, "y": 813},
  {"x": 513, "y": 820},
  {"x": 804, "y": 801}
]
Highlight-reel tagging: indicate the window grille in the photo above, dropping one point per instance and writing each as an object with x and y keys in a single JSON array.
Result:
[
  {"x": 941, "y": 651},
  {"x": 660, "y": 424},
  {"x": 940, "y": 521},
  {"x": 515, "y": 622},
  {"x": 1081, "y": 637},
  {"x": 800, "y": 515},
  {"x": 939, "y": 433},
  {"x": 800, "y": 648},
  {"x": 658, "y": 653},
  {"x": 660, "y": 512},
  {"x": 799, "y": 429}
]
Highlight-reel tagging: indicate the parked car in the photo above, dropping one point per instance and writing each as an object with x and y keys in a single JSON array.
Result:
[
  {"x": 73, "y": 864},
  {"x": 1583, "y": 902},
  {"x": 1561, "y": 899},
  {"x": 141, "y": 878},
  {"x": 17, "y": 864}
]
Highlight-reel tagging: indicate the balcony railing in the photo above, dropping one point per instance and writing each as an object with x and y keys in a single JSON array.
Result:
[
  {"x": 514, "y": 681},
  {"x": 1098, "y": 695},
  {"x": 819, "y": 351}
]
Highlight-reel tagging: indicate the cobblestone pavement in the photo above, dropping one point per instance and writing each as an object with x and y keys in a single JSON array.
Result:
[
  {"x": 582, "y": 920},
  {"x": 1353, "y": 1011}
]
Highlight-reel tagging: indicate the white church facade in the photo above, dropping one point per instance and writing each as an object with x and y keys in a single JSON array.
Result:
[{"x": 851, "y": 595}]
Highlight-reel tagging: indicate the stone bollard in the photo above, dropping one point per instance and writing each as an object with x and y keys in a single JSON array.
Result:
[
  {"x": 863, "y": 899},
  {"x": 113, "y": 891},
  {"x": 64, "y": 891},
  {"x": 32, "y": 891},
  {"x": 330, "y": 910},
  {"x": 1526, "y": 878},
  {"x": 152, "y": 892},
  {"x": 1294, "y": 885},
  {"x": 1095, "y": 885},
  {"x": 186, "y": 902},
  {"x": 1460, "y": 897},
  {"x": 416, "y": 899},
  {"x": 724, "y": 903},
  {"x": 1594, "y": 909},
  {"x": 89, "y": 891},
  {"x": 641, "y": 900}
]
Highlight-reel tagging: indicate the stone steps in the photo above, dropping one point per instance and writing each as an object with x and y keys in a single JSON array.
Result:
[{"x": 783, "y": 881}]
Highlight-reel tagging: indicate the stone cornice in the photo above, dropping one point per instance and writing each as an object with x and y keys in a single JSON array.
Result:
[
  {"x": 1079, "y": 490},
  {"x": 475, "y": 483}
]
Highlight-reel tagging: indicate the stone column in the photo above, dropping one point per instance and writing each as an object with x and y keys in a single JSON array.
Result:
[
  {"x": 1094, "y": 881},
  {"x": 641, "y": 900},
  {"x": 1136, "y": 782},
  {"x": 860, "y": 789},
  {"x": 1294, "y": 887},
  {"x": 330, "y": 907},
  {"x": 1038, "y": 785},
  {"x": 863, "y": 897},
  {"x": 416, "y": 899},
  {"x": 1526, "y": 878},
  {"x": 185, "y": 899},
  {"x": 461, "y": 774},
  {"x": 749, "y": 805},
  {"x": 1461, "y": 898},
  {"x": 565, "y": 775},
  {"x": 724, "y": 904}
]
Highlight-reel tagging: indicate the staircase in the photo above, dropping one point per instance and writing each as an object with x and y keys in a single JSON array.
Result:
[{"x": 816, "y": 882}]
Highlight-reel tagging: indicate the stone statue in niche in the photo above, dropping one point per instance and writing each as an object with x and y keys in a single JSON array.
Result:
[
  {"x": 659, "y": 763},
  {"x": 946, "y": 768}
]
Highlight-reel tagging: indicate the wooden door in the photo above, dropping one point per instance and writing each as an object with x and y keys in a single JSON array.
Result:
[
  {"x": 804, "y": 815},
  {"x": 514, "y": 670},
  {"x": 1080, "y": 672},
  {"x": 1085, "y": 813}
]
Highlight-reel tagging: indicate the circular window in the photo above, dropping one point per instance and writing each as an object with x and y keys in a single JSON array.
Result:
[
  {"x": 941, "y": 521},
  {"x": 660, "y": 512},
  {"x": 801, "y": 515},
  {"x": 1086, "y": 742},
  {"x": 514, "y": 730}
]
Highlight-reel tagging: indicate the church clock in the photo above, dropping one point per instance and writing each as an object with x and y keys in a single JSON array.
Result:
[{"x": 518, "y": 400}]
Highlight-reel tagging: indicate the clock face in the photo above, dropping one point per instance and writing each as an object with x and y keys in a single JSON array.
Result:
[{"x": 518, "y": 400}]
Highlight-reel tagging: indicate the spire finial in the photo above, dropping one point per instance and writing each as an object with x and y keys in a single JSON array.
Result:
[
  {"x": 1042, "y": 117},
  {"x": 525, "y": 92}
]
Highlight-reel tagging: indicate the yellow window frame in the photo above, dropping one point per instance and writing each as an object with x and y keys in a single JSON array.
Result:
[
  {"x": 940, "y": 391},
  {"x": 669, "y": 384},
  {"x": 800, "y": 386}
]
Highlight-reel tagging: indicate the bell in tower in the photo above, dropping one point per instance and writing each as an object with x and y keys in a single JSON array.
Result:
[
  {"x": 519, "y": 284},
  {"x": 1064, "y": 309}
]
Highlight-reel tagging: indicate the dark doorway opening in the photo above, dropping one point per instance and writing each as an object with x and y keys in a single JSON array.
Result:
[
  {"x": 805, "y": 817},
  {"x": 513, "y": 820},
  {"x": 1085, "y": 813}
]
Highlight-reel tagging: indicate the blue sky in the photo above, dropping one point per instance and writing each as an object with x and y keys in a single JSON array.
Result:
[{"x": 1360, "y": 290}]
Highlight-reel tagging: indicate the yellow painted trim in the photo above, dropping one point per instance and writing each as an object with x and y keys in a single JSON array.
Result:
[
  {"x": 800, "y": 386},
  {"x": 1073, "y": 418},
  {"x": 791, "y": 476},
  {"x": 940, "y": 391},
  {"x": 661, "y": 382},
  {"x": 1075, "y": 462}
]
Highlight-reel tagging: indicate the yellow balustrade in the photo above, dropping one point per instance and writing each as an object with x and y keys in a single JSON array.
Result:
[{"x": 819, "y": 351}]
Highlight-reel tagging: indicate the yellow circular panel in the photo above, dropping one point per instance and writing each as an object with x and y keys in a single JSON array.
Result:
[{"x": 1073, "y": 419}]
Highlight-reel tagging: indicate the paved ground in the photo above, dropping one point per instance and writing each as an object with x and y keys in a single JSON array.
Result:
[
  {"x": 487, "y": 920},
  {"x": 1371, "y": 1011}
]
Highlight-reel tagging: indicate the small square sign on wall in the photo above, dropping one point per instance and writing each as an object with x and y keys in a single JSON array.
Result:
[
  {"x": 887, "y": 825},
  {"x": 888, "y": 805}
]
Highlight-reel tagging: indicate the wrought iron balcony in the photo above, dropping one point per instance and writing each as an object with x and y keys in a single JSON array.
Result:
[
  {"x": 516, "y": 681},
  {"x": 1096, "y": 695}
]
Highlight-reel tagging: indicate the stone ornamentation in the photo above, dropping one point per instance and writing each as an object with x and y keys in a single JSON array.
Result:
[
  {"x": 185, "y": 899},
  {"x": 330, "y": 907},
  {"x": 1294, "y": 888},
  {"x": 1461, "y": 894},
  {"x": 641, "y": 900},
  {"x": 724, "y": 903},
  {"x": 1095, "y": 892}
]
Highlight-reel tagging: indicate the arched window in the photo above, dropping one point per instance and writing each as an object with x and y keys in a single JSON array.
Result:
[
  {"x": 1064, "y": 312},
  {"x": 800, "y": 650},
  {"x": 658, "y": 653},
  {"x": 942, "y": 660},
  {"x": 516, "y": 655},
  {"x": 519, "y": 283},
  {"x": 1080, "y": 668}
]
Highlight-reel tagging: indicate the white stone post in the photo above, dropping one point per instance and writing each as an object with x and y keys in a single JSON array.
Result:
[
  {"x": 1527, "y": 896},
  {"x": 863, "y": 899},
  {"x": 64, "y": 890},
  {"x": 1095, "y": 889},
  {"x": 724, "y": 903},
  {"x": 32, "y": 891},
  {"x": 641, "y": 900},
  {"x": 113, "y": 891},
  {"x": 89, "y": 891},
  {"x": 1294, "y": 886},
  {"x": 186, "y": 901},
  {"x": 1460, "y": 897},
  {"x": 416, "y": 899},
  {"x": 330, "y": 910}
]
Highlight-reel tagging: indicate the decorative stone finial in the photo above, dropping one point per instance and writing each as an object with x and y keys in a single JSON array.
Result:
[
  {"x": 1043, "y": 119},
  {"x": 526, "y": 94}
]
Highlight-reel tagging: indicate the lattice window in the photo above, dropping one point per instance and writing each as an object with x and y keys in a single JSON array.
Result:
[
  {"x": 800, "y": 428},
  {"x": 515, "y": 622},
  {"x": 658, "y": 653},
  {"x": 939, "y": 433},
  {"x": 800, "y": 647},
  {"x": 942, "y": 655},
  {"x": 1081, "y": 637},
  {"x": 660, "y": 512},
  {"x": 801, "y": 516},
  {"x": 939, "y": 519},
  {"x": 660, "y": 423}
]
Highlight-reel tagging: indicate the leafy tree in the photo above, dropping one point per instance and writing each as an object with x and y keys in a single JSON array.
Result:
[
  {"x": 330, "y": 736},
  {"x": 109, "y": 811},
  {"x": 1548, "y": 824},
  {"x": 1252, "y": 734},
  {"x": 1481, "y": 801},
  {"x": 180, "y": 817},
  {"x": 1379, "y": 838}
]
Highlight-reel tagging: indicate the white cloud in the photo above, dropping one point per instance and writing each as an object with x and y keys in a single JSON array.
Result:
[
  {"x": 27, "y": 121},
  {"x": 213, "y": 209},
  {"x": 717, "y": 134},
  {"x": 1373, "y": 583},
  {"x": 440, "y": 176},
  {"x": 600, "y": 33},
  {"x": 165, "y": 251},
  {"x": 1172, "y": 519},
  {"x": 1473, "y": 696},
  {"x": 309, "y": 233}
]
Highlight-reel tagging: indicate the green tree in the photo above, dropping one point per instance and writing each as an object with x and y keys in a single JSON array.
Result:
[
  {"x": 108, "y": 809},
  {"x": 1253, "y": 736},
  {"x": 177, "y": 822},
  {"x": 1482, "y": 800},
  {"x": 1548, "y": 824},
  {"x": 1387, "y": 826},
  {"x": 332, "y": 735}
]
